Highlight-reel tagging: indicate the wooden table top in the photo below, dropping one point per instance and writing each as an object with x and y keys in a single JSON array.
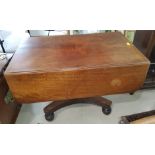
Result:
[{"x": 63, "y": 53}]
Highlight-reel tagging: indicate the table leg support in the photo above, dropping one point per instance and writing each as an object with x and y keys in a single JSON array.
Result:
[{"x": 55, "y": 105}]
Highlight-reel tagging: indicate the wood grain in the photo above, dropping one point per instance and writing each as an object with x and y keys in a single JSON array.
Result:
[{"x": 67, "y": 67}]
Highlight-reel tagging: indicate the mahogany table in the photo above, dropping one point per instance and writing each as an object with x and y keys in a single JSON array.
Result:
[{"x": 73, "y": 69}]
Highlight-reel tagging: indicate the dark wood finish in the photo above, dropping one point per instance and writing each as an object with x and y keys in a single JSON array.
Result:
[
  {"x": 8, "y": 112},
  {"x": 145, "y": 41},
  {"x": 51, "y": 108},
  {"x": 60, "y": 104},
  {"x": 131, "y": 118},
  {"x": 81, "y": 66}
]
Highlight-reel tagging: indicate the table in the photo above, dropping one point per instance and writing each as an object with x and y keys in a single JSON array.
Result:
[{"x": 71, "y": 69}]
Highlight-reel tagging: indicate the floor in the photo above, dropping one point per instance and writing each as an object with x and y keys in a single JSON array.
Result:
[{"x": 123, "y": 104}]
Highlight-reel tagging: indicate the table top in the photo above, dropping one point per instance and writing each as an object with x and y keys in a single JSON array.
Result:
[{"x": 75, "y": 52}]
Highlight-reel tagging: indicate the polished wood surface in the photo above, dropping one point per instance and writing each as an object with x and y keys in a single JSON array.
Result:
[{"x": 67, "y": 67}]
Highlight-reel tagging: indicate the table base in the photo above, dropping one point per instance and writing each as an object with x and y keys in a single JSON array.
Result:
[{"x": 55, "y": 105}]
